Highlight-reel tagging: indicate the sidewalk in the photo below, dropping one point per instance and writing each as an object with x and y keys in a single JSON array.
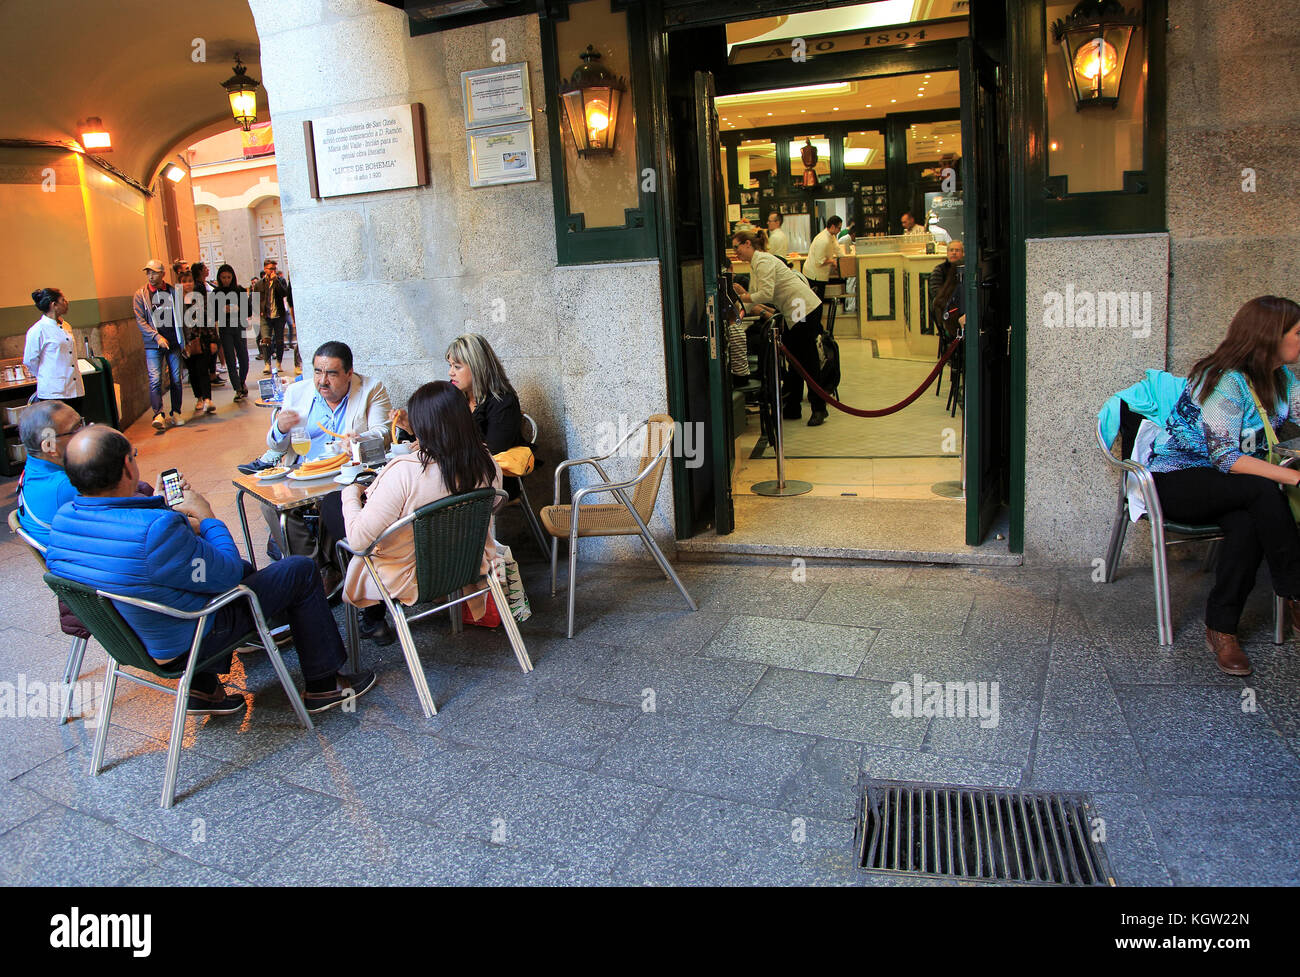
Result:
[{"x": 661, "y": 746}]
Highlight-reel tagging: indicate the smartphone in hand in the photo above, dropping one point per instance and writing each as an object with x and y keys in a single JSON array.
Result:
[{"x": 172, "y": 491}]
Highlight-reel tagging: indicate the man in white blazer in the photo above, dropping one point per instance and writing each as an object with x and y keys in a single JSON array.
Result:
[{"x": 336, "y": 401}]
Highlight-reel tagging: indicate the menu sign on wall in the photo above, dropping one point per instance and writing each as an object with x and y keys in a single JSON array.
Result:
[{"x": 361, "y": 152}]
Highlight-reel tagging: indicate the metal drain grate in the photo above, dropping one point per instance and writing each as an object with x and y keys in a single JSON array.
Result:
[{"x": 980, "y": 833}]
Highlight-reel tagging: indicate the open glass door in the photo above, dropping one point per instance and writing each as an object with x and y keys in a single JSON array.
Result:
[
  {"x": 704, "y": 337},
  {"x": 987, "y": 292}
]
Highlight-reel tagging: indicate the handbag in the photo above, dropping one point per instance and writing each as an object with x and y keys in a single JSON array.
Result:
[{"x": 1274, "y": 456}]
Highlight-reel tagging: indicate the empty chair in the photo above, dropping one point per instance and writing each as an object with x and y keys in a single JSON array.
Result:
[{"x": 628, "y": 516}]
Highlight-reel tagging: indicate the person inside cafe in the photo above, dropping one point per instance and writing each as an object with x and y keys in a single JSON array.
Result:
[
  {"x": 50, "y": 353},
  {"x": 778, "y": 242},
  {"x": 774, "y": 286},
  {"x": 823, "y": 261},
  {"x": 109, "y": 538},
  {"x": 448, "y": 457},
  {"x": 946, "y": 291},
  {"x": 910, "y": 226},
  {"x": 1210, "y": 465},
  {"x": 337, "y": 407}
]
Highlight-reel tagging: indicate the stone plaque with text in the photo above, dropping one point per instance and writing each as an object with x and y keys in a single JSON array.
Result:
[{"x": 360, "y": 152}]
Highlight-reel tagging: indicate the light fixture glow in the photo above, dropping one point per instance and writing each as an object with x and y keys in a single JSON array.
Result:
[
  {"x": 175, "y": 173},
  {"x": 95, "y": 137}
]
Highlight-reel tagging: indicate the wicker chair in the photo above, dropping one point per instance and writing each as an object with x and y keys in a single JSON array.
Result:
[
  {"x": 626, "y": 517},
  {"x": 72, "y": 670},
  {"x": 96, "y": 610},
  {"x": 449, "y": 538}
]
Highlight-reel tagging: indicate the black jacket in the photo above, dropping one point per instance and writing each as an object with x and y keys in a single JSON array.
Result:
[{"x": 499, "y": 420}]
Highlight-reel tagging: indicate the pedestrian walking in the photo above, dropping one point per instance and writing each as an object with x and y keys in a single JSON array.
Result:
[
  {"x": 228, "y": 307},
  {"x": 158, "y": 312}
]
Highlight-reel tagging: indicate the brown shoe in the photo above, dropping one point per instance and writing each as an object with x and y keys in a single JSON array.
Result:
[{"x": 1228, "y": 651}]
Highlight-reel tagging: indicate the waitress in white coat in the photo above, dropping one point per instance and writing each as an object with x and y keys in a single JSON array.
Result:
[{"x": 50, "y": 353}]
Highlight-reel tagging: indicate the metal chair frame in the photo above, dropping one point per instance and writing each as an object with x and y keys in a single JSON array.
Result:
[
  {"x": 1159, "y": 565},
  {"x": 77, "y": 653},
  {"x": 182, "y": 690},
  {"x": 452, "y": 605},
  {"x": 530, "y": 517},
  {"x": 619, "y": 489}
]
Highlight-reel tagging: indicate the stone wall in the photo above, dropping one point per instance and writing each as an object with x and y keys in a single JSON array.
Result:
[
  {"x": 398, "y": 274},
  {"x": 1234, "y": 105},
  {"x": 1073, "y": 364}
]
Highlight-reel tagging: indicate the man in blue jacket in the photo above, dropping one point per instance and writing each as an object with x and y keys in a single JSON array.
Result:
[{"x": 111, "y": 539}]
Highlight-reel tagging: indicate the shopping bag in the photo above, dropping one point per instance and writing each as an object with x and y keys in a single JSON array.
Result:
[{"x": 513, "y": 584}]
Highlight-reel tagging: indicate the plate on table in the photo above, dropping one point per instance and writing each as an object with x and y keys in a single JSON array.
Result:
[
  {"x": 295, "y": 477},
  {"x": 349, "y": 479},
  {"x": 271, "y": 474}
]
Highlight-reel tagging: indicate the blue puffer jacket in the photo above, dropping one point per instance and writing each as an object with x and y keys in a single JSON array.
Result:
[{"x": 140, "y": 548}]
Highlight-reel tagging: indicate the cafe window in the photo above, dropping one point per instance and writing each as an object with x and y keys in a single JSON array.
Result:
[
  {"x": 756, "y": 164},
  {"x": 1092, "y": 149},
  {"x": 821, "y": 166}
]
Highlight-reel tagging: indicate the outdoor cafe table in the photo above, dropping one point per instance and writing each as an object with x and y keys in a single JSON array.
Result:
[{"x": 283, "y": 495}]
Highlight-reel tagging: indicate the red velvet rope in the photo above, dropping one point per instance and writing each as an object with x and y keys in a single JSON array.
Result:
[{"x": 884, "y": 411}]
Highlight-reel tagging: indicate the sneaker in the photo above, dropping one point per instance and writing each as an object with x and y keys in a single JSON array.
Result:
[
  {"x": 380, "y": 632},
  {"x": 211, "y": 408},
  {"x": 198, "y": 408},
  {"x": 177, "y": 420},
  {"x": 266, "y": 370},
  {"x": 221, "y": 368},
  {"x": 159, "y": 422},
  {"x": 818, "y": 418},
  {"x": 351, "y": 687},
  {"x": 216, "y": 381},
  {"x": 253, "y": 467},
  {"x": 239, "y": 395},
  {"x": 214, "y": 704}
]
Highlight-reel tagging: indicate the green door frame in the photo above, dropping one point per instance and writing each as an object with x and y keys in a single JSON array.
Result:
[{"x": 734, "y": 79}]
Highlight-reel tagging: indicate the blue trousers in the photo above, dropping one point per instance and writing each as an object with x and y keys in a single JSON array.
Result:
[
  {"x": 154, "y": 359},
  {"x": 292, "y": 587}
]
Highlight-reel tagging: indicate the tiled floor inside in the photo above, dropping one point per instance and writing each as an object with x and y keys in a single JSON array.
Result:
[{"x": 663, "y": 746}]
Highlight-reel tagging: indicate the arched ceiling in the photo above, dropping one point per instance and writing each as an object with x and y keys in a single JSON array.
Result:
[{"x": 130, "y": 62}]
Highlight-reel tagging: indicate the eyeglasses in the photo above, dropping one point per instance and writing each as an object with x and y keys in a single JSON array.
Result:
[{"x": 81, "y": 423}]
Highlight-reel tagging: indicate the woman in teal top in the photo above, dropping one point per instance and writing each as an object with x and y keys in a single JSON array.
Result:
[{"x": 1209, "y": 465}]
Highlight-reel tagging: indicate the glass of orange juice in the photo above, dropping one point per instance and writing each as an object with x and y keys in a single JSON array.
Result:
[{"x": 300, "y": 441}]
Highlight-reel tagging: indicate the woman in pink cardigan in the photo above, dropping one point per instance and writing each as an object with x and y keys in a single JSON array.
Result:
[{"x": 447, "y": 458}]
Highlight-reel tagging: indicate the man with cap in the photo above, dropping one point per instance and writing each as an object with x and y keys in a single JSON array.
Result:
[{"x": 158, "y": 309}]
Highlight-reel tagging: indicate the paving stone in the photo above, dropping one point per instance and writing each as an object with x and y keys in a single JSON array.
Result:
[
  {"x": 1007, "y": 742},
  {"x": 826, "y": 785},
  {"x": 904, "y": 609},
  {"x": 63, "y": 847},
  {"x": 1196, "y": 739},
  {"x": 682, "y": 631},
  {"x": 696, "y": 685},
  {"x": 695, "y": 840},
  {"x": 1228, "y": 840},
  {"x": 543, "y": 725},
  {"x": 898, "y": 656},
  {"x": 744, "y": 763},
  {"x": 1133, "y": 660},
  {"x": 1003, "y": 583},
  {"x": 17, "y": 804},
  {"x": 380, "y": 766},
  {"x": 1129, "y": 843},
  {"x": 839, "y": 575},
  {"x": 1024, "y": 620},
  {"x": 1080, "y": 699},
  {"x": 179, "y": 871},
  {"x": 879, "y": 763},
  {"x": 360, "y": 848},
  {"x": 770, "y": 598},
  {"x": 1276, "y": 682},
  {"x": 803, "y": 645},
  {"x": 833, "y": 706},
  {"x": 1076, "y": 761},
  {"x": 580, "y": 819}
]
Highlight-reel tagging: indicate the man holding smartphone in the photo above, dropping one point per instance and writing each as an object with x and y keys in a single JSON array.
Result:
[
  {"x": 183, "y": 557},
  {"x": 158, "y": 309}
]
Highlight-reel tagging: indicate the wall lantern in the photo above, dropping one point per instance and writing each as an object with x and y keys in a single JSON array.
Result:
[
  {"x": 243, "y": 95},
  {"x": 94, "y": 137},
  {"x": 174, "y": 173},
  {"x": 1095, "y": 40},
  {"x": 590, "y": 101}
]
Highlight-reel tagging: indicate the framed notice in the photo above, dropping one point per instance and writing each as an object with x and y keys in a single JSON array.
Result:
[
  {"x": 360, "y": 152},
  {"x": 501, "y": 154},
  {"x": 496, "y": 95}
]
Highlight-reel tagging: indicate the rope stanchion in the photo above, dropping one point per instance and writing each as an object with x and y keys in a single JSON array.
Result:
[
  {"x": 778, "y": 487},
  {"x": 884, "y": 411}
]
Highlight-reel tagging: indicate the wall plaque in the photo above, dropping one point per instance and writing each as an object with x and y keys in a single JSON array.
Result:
[{"x": 360, "y": 152}]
